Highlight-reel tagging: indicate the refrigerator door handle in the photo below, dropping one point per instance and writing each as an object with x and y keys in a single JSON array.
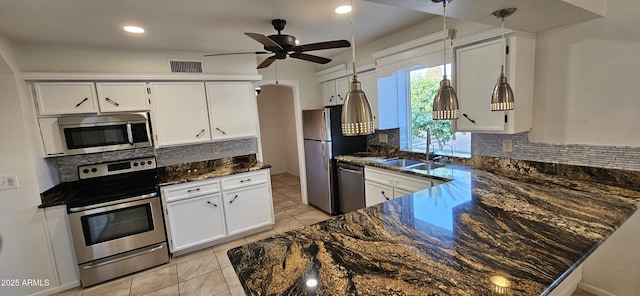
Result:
[
  {"x": 324, "y": 156},
  {"x": 324, "y": 125}
]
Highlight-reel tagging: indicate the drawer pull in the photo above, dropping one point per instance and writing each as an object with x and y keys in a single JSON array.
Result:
[
  {"x": 234, "y": 198},
  {"x": 247, "y": 180},
  {"x": 215, "y": 205},
  {"x": 383, "y": 195},
  {"x": 112, "y": 102},
  {"x": 193, "y": 190}
]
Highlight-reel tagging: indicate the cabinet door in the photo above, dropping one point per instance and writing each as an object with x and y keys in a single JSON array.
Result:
[
  {"x": 122, "y": 96},
  {"x": 477, "y": 71},
  {"x": 342, "y": 88},
  {"x": 247, "y": 208},
  {"x": 329, "y": 97},
  {"x": 66, "y": 98},
  {"x": 194, "y": 221},
  {"x": 232, "y": 109},
  {"x": 179, "y": 113},
  {"x": 375, "y": 193}
]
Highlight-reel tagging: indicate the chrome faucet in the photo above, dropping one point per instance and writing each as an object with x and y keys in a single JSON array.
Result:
[
  {"x": 450, "y": 157},
  {"x": 426, "y": 153}
]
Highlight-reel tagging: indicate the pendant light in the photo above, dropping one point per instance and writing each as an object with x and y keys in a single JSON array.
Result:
[
  {"x": 357, "y": 119},
  {"x": 502, "y": 95},
  {"x": 445, "y": 103}
]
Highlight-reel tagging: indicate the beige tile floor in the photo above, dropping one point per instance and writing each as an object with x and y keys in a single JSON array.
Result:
[{"x": 209, "y": 271}]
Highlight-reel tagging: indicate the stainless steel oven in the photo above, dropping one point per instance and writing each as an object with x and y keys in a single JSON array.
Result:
[{"x": 116, "y": 220}]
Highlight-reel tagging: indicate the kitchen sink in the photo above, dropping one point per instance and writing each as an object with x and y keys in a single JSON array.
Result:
[
  {"x": 425, "y": 166},
  {"x": 412, "y": 164},
  {"x": 401, "y": 162}
]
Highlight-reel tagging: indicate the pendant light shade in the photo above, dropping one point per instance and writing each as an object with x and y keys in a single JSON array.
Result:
[
  {"x": 445, "y": 103},
  {"x": 502, "y": 96},
  {"x": 357, "y": 119}
]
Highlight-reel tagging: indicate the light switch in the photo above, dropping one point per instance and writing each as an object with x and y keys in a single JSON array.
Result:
[
  {"x": 8, "y": 182},
  {"x": 507, "y": 145},
  {"x": 383, "y": 138},
  {"x": 215, "y": 149}
]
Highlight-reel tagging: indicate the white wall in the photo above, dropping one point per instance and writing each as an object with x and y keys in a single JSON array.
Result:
[
  {"x": 302, "y": 71},
  {"x": 25, "y": 253},
  {"x": 587, "y": 80},
  {"x": 278, "y": 129},
  {"x": 38, "y": 57}
]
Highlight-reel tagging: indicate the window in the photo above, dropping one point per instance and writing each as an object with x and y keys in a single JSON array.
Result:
[{"x": 423, "y": 85}]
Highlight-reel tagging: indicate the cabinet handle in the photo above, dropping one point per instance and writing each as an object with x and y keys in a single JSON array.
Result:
[
  {"x": 84, "y": 100},
  {"x": 221, "y": 131},
  {"x": 383, "y": 195},
  {"x": 331, "y": 98},
  {"x": 112, "y": 102},
  {"x": 341, "y": 98},
  {"x": 193, "y": 190},
  {"x": 234, "y": 198},
  {"x": 215, "y": 205},
  {"x": 200, "y": 133},
  {"x": 247, "y": 180},
  {"x": 467, "y": 117}
]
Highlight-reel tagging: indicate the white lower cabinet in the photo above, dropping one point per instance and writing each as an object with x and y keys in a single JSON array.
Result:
[
  {"x": 203, "y": 213},
  {"x": 381, "y": 185},
  {"x": 64, "y": 255}
]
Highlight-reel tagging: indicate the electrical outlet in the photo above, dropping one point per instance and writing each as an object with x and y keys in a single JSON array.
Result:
[
  {"x": 8, "y": 182},
  {"x": 215, "y": 149},
  {"x": 383, "y": 138},
  {"x": 507, "y": 145}
]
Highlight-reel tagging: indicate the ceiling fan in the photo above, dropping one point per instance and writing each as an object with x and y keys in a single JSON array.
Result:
[{"x": 282, "y": 45}]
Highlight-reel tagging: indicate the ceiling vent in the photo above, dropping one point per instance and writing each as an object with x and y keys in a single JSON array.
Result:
[{"x": 182, "y": 66}]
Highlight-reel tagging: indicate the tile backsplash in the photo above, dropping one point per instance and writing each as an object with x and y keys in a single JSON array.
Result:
[
  {"x": 68, "y": 165},
  {"x": 614, "y": 157}
]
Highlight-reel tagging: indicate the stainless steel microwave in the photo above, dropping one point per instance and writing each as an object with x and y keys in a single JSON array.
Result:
[{"x": 71, "y": 135}]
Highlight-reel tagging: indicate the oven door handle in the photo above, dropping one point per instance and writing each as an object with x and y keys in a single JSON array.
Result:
[
  {"x": 111, "y": 203},
  {"x": 125, "y": 257}
]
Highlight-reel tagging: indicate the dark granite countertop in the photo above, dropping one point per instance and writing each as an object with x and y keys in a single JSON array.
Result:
[
  {"x": 175, "y": 174},
  {"x": 496, "y": 221}
]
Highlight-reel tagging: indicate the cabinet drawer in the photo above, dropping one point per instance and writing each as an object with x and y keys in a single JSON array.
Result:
[
  {"x": 190, "y": 189},
  {"x": 398, "y": 180},
  {"x": 245, "y": 179}
]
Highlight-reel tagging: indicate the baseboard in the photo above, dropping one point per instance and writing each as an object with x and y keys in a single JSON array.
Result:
[
  {"x": 593, "y": 290},
  {"x": 569, "y": 284},
  {"x": 67, "y": 286}
]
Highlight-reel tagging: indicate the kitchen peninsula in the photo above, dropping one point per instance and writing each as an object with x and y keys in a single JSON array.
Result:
[{"x": 497, "y": 227}]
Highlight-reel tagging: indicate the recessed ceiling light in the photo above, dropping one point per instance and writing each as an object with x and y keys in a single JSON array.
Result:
[
  {"x": 133, "y": 29},
  {"x": 343, "y": 9}
]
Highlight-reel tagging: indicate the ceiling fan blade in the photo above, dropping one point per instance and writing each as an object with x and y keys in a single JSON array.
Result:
[
  {"x": 310, "y": 58},
  {"x": 267, "y": 62},
  {"x": 233, "y": 53},
  {"x": 266, "y": 41},
  {"x": 322, "y": 45}
]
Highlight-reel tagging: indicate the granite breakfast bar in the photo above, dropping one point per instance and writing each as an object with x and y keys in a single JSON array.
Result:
[{"x": 497, "y": 227}]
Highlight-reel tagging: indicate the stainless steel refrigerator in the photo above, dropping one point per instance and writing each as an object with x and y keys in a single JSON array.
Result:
[{"x": 323, "y": 140}]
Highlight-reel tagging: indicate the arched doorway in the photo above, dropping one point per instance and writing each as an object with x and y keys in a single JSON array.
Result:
[{"x": 280, "y": 114}]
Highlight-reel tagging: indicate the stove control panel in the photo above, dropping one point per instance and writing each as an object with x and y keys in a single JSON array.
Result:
[{"x": 116, "y": 167}]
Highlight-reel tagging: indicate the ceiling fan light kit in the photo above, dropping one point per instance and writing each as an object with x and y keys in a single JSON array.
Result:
[
  {"x": 283, "y": 46},
  {"x": 357, "y": 119},
  {"x": 445, "y": 103},
  {"x": 502, "y": 98}
]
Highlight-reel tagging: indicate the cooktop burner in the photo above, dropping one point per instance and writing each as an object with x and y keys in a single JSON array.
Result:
[{"x": 115, "y": 180}]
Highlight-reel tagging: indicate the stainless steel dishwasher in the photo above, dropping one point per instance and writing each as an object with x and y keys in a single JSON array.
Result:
[{"x": 351, "y": 187}]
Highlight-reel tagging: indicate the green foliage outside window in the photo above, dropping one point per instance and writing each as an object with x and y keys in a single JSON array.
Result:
[{"x": 424, "y": 86}]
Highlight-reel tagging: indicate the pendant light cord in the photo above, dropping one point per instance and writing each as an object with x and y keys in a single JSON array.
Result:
[
  {"x": 444, "y": 36},
  {"x": 503, "y": 49},
  {"x": 353, "y": 42}
]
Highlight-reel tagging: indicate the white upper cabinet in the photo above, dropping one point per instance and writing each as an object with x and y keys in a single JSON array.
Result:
[
  {"x": 369, "y": 82},
  {"x": 122, "y": 96},
  {"x": 232, "y": 110},
  {"x": 66, "y": 98},
  {"x": 335, "y": 91},
  {"x": 179, "y": 113},
  {"x": 477, "y": 67}
]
